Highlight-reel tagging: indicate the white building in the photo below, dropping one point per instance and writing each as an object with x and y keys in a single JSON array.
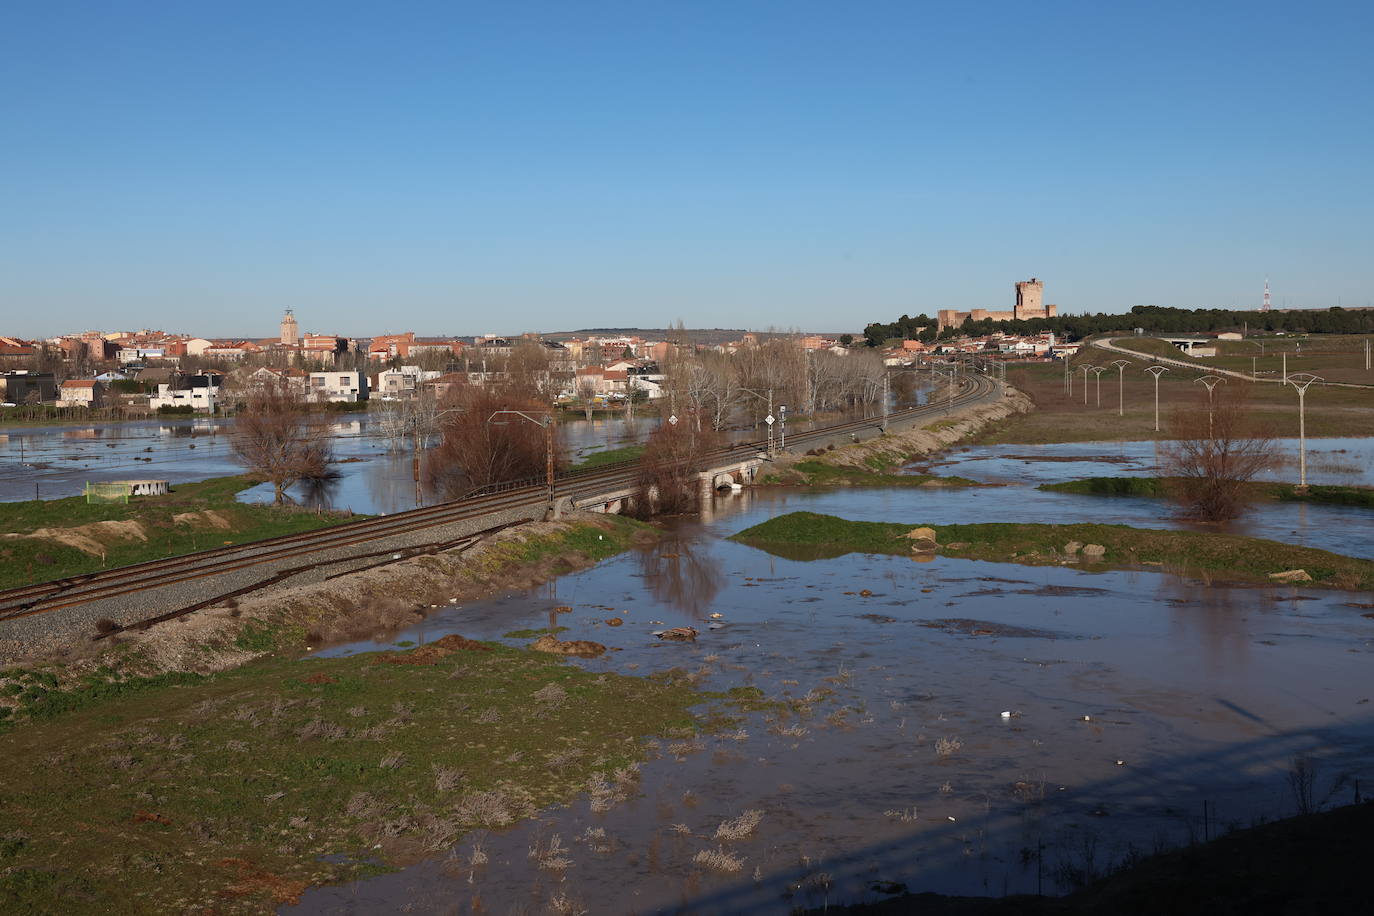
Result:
[
  {"x": 403, "y": 383},
  {"x": 338, "y": 386},
  {"x": 203, "y": 399}
]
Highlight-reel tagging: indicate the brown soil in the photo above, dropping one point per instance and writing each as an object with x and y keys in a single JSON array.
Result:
[
  {"x": 252, "y": 880},
  {"x": 90, "y": 539},
  {"x": 582, "y": 648}
]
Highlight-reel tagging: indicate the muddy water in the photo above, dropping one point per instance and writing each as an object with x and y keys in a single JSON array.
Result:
[{"x": 1132, "y": 700}]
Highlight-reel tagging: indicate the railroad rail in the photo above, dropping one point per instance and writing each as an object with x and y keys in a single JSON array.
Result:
[{"x": 53, "y": 595}]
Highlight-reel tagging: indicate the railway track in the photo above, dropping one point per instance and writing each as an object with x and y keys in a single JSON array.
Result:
[{"x": 57, "y": 594}]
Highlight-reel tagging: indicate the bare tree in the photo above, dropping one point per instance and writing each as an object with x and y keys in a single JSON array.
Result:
[
  {"x": 1216, "y": 450},
  {"x": 277, "y": 438},
  {"x": 475, "y": 452},
  {"x": 668, "y": 481}
]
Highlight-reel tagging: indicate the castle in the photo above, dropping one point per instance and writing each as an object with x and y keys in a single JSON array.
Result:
[{"x": 1030, "y": 303}]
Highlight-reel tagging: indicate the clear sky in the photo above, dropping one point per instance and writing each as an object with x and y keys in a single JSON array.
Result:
[{"x": 458, "y": 167}]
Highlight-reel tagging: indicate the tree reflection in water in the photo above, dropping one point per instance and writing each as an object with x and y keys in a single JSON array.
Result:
[{"x": 681, "y": 573}]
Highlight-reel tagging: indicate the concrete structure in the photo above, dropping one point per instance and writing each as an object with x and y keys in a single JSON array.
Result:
[
  {"x": 199, "y": 392},
  {"x": 1030, "y": 297},
  {"x": 290, "y": 330},
  {"x": 145, "y": 487}
]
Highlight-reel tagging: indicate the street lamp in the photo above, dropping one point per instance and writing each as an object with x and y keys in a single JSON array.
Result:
[
  {"x": 1300, "y": 381},
  {"x": 1211, "y": 381},
  {"x": 1156, "y": 371},
  {"x": 1120, "y": 365},
  {"x": 546, "y": 423},
  {"x": 1097, "y": 374},
  {"x": 1086, "y": 370}
]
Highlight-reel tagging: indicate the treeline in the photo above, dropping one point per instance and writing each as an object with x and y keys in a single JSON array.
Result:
[{"x": 1153, "y": 319}]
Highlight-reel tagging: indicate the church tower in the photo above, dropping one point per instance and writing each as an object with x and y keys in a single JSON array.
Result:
[{"x": 290, "y": 331}]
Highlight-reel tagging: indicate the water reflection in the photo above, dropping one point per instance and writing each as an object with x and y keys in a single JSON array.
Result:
[{"x": 681, "y": 573}]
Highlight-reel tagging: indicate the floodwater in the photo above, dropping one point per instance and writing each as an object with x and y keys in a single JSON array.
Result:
[
  {"x": 973, "y": 728},
  {"x": 49, "y": 462}
]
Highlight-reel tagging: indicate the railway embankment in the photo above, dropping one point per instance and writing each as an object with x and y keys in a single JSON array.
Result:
[
  {"x": 355, "y": 597},
  {"x": 874, "y": 461}
]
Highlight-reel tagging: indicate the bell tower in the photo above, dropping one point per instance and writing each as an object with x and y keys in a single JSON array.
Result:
[{"x": 290, "y": 331}]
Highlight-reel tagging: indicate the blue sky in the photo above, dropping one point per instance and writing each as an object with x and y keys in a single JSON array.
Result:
[{"x": 461, "y": 167}]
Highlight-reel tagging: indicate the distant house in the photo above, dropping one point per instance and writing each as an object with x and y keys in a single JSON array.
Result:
[
  {"x": 295, "y": 380},
  {"x": 338, "y": 387},
  {"x": 81, "y": 392},
  {"x": 24, "y": 387},
  {"x": 15, "y": 351}
]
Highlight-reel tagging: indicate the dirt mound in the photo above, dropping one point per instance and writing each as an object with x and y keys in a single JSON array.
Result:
[
  {"x": 90, "y": 538},
  {"x": 582, "y": 648},
  {"x": 207, "y": 517},
  {"x": 430, "y": 653}
]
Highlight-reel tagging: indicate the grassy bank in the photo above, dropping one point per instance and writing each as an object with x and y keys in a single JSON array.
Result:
[
  {"x": 807, "y": 535},
  {"x": 228, "y": 791},
  {"x": 85, "y": 537},
  {"x": 609, "y": 456},
  {"x": 1158, "y": 487},
  {"x": 814, "y": 473}
]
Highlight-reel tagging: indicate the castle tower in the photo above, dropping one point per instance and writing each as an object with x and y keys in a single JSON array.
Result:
[
  {"x": 1030, "y": 299},
  {"x": 290, "y": 331}
]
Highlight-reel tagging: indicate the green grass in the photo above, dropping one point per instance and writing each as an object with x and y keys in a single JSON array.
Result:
[
  {"x": 807, "y": 535},
  {"x": 610, "y": 456},
  {"x": 531, "y": 634},
  {"x": 232, "y": 787},
  {"x": 1158, "y": 487},
  {"x": 816, "y": 473},
  {"x": 31, "y": 560}
]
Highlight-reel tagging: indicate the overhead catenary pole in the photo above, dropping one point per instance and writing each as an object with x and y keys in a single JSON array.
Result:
[
  {"x": 1211, "y": 381},
  {"x": 1300, "y": 381},
  {"x": 1156, "y": 371},
  {"x": 1120, "y": 365}
]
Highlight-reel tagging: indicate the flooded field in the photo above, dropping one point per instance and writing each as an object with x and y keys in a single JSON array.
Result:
[
  {"x": 50, "y": 462},
  {"x": 953, "y": 726}
]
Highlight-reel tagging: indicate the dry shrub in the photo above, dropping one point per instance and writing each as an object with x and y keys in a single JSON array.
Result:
[
  {"x": 1215, "y": 453},
  {"x": 739, "y": 828},
  {"x": 719, "y": 860},
  {"x": 673, "y": 457},
  {"x": 478, "y": 448},
  {"x": 486, "y": 809}
]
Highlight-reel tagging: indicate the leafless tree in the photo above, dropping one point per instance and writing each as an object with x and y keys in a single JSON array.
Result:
[
  {"x": 475, "y": 452},
  {"x": 1216, "y": 450},
  {"x": 277, "y": 438},
  {"x": 586, "y": 393},
  {"x": 668, "y": 481}
]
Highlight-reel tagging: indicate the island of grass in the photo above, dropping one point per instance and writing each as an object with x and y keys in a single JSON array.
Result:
[
  {"x": 1159, "y": 487},
  {"x": 53, "y": 538},
  {"x": 809, "y": 535},
  {"x": 246, "y": 787},
  {"x": 813, "y": 472},
  {"x": 609, "y": 456}
]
